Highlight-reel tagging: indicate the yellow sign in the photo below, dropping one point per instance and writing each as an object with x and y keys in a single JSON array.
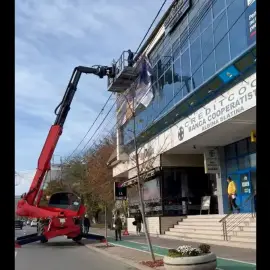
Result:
[{"x": 253, "y": 136}]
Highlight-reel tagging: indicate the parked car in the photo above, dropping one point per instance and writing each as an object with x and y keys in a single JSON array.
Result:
[
  {"x": 33, "y": 223},
  {"x": 18, "y": 224}
]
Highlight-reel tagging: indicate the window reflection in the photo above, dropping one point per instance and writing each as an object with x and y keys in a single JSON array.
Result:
[
  {"x": 237, "y": 44},
  {"x": 209, "y": 67},
  {"x": 222, "y": 53},
  {"x": 243, "y": 163},
  {"x": 218, "y": 6},
  {"x": 232, "y": 165},
  {"x": 253, "y": 160},
  {"x": 220, "y": 27},
  {"x": 177, "y": 91},
  {"x": 186, "y": 72}
]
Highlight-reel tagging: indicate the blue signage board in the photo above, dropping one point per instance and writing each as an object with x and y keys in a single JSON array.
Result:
[{"x": 251, "y": 21}]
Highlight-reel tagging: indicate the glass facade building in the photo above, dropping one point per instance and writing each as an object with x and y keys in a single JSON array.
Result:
[{"x": 210, "y": 37}]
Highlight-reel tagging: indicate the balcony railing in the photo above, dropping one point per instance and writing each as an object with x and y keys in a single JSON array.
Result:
[{"x": 125, "y": 75}]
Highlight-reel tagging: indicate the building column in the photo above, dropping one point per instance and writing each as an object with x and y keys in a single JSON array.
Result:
[
  {"x": 184, "y": 192},
  {"x": 222, "y": 183}
]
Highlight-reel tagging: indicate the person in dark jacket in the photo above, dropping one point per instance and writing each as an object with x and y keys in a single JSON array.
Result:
[
  {"x": 118, "y": 227},
  {"x": 86, "y": 224},
  {"x": 130, "y": 58},
  {"x": 138, "y": 222}
]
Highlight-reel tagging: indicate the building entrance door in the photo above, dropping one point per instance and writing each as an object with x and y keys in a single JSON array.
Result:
[{"x": 245, "y": 191}]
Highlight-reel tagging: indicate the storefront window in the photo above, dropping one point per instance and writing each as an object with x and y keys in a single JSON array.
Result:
[
  {"x": 232, "y": 165},
  {"x": 243, "y": 163},
  {"x": 230, "y": 151},
  {"x": 253, "y": 160},
  {"x": 251, "y": 146},
  {"x": 242, "y": 147},
  {"x": 151, "y": 197}
]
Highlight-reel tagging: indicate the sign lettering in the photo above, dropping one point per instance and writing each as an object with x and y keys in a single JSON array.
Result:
[
  {"x": 223, "y": 109},
  {"x": 251, "y": 21},
  {"x": 178, "y": 11}
]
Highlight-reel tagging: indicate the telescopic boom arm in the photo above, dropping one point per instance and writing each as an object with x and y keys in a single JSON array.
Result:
[{"x": 56, "y": 129}]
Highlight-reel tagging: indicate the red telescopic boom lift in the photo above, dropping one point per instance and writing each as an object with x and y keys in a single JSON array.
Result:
[{"x": 64, "y": 213}]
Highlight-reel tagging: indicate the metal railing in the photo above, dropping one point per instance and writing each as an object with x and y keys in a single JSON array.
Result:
[
  {"x": 120, "y": 65},
  {"x": 231, "y": 221}
]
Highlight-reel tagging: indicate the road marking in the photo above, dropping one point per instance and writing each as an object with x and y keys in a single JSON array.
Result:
[
  {"x": 233, "y": 260},
  {"x": 16, "y": 253}
]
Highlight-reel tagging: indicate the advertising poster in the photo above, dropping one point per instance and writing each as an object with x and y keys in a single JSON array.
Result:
[{"x": 251, "y": 21}]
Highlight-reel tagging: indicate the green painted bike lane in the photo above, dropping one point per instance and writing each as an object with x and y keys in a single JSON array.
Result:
[{"x": 222, "y": 264}]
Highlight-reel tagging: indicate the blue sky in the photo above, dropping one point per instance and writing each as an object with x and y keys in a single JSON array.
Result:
[{"x": 52, "y": 37}]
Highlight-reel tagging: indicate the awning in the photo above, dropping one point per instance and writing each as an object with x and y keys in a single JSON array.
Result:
[{"x": 147, "y": 176}]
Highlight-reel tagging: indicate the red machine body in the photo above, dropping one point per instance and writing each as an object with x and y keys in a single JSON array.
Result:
[{"x": 57, "y": 218}]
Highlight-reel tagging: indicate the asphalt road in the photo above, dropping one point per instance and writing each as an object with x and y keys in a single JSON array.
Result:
[{"x": 61, "y": 254}]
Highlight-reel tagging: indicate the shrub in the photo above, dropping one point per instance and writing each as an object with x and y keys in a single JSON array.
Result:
[
  {"x": 188, "y": 251},
  {"x": 204, "y": 248}
]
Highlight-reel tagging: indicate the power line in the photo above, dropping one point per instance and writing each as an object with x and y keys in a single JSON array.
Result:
[
  {"x": 101, "y": 111},
  {"x": 137, "y": 50},
  {"x": 150, "y": 26},
  {"x": 153, "y": 21}
]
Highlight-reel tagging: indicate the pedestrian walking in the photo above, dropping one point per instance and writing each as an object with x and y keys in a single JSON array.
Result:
[
  {"x": 232, "y": 195},
  {"x": 86, "y": 224},
  {"x": 138, "y": 222},
  {"x": 117, "y": 227}
]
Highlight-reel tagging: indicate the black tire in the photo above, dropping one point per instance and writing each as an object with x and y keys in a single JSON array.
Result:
[{"x": 77, "y": 238}]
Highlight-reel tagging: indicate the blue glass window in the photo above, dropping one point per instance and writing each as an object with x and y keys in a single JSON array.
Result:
[
  {"x": 232, "y": 165},
  {"x": 184, "y": 40},
  {"x": 206, "y": 20},
  {"x": 222, "y": 53},
  {"x": 207, "y": 42},
  {"x": 220, "y": 27},
  {"x": 178, "y": 92},
  {"x": 162, "y": 100},
  {"x": 238, "y": 35},
  {"x": 209, "y": 66},
  {"x": 176, "y": 49},
  {"x": 196, "y": 56},
  {"x": 186, "y": 73},
  {"x": 168, "y": 89},
  {"x": 243, "y": 163},
  {"x": 218, "y": 6}
]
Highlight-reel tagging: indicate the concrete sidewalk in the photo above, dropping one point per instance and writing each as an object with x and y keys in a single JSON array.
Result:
[{"x": 133, "y": 248}]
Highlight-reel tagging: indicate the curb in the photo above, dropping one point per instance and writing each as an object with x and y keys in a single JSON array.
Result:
[{"x": 118, "y": 258}]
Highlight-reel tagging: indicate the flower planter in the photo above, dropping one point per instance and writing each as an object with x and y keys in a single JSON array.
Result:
[{"x": 201, "y": 262}]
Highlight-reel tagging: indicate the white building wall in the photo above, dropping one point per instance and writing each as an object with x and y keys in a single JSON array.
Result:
[{"x": 152, "y": 222}]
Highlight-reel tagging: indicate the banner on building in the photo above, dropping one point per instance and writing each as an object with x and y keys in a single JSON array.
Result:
[
  {"x": 251, "y": 21},
  {"x": 211, "y": 161},
  {"x": 120, "y": 192},
  {"x": 140, "y": 93}
]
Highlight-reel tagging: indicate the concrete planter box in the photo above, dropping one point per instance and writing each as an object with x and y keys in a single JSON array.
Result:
[{"x": 202, "y": 262}]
